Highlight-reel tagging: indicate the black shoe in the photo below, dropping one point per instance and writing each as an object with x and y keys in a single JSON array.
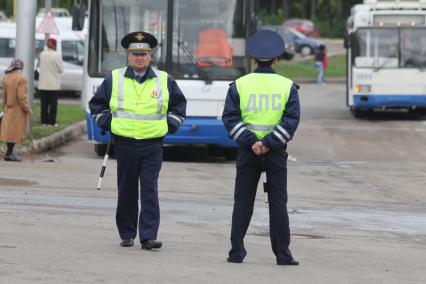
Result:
[
  {"x": 151, "y": 244},
  {"x": 288, "y": 262},
  {"x": 12, "y": 158},
  {"x": 234, "y": 260},
  {"x": 126, "y": 243}
]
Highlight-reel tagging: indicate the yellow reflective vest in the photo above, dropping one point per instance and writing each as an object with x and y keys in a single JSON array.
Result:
[
  {"x": 139, "y": 111},
  {"x": 263, "y": 97}
]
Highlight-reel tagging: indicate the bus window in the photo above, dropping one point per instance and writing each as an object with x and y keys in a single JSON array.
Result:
[
  {"x": 377, "y": 48},
  {"x": 112, "y": 20},
  {"x": 413, "y": 47},
  {"x": 209, "y": 38}
]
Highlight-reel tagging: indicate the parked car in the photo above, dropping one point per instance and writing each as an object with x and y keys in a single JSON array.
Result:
[
  {"x": 304, "y": 26},
  {"x": 56, "y": 12},
  {"x": 70, "y": 45},
  {"x": 302, "y": 44},
  {"x": 289, "y": 49}
]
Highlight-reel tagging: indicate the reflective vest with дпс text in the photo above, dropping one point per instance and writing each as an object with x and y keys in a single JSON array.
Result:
[
  {"x": 263, "y": 97},
  {"x": 139, "y": 111}
]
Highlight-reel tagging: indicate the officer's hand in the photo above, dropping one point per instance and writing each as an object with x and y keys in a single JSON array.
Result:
[
  {"x": 257, "y": 148},
  {"x": 265, "y": 149}
]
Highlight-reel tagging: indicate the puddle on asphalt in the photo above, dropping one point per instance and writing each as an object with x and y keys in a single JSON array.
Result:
[
  {"x": 8, "y": 247},
  {"x": 302, "y": 236},
  {"x": 16, "y": 182}
]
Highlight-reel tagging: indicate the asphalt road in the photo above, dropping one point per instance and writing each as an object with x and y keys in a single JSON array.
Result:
[{"x": 357, "y": 204}]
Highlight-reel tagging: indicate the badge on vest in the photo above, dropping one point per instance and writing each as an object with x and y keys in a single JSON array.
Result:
[
  {"x": 263, "y": 102},
  {"x": 154, "y": 94}
]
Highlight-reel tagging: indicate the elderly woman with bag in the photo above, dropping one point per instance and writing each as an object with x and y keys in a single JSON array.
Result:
[{"x": 15, "y": 107}]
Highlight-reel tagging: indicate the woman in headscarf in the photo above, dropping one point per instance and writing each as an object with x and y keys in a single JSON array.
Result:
[{"x": 16, "y": 108}]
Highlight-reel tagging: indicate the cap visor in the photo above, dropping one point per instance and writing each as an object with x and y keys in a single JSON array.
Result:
[{"x": 143, "y": 52}]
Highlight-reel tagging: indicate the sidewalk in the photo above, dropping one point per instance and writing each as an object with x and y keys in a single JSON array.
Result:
[{"x": 54, "y": 140}]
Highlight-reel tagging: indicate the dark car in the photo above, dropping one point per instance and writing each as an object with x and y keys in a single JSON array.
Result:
[
  {"x": 302, "y": 44},
  {"x": 304, "y": 26},
  {"x": 289, "y": 49}
]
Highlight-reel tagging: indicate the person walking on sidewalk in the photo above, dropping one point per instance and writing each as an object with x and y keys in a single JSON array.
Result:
[
  {"x": 320, "y": 63},
  {"x": 49, "y": 83},
  {"x": 16, "y": 108},
  {"x": 261, "y": 114},
  {"x": 139, "y": 105}
]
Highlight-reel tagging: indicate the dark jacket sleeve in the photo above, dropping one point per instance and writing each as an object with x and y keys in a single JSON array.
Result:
[
  {"x": 232, "y": 120},
  {"x": 285, "y": 130},
  {"x": 99, "y": 104},
  {"x": 176, "y": 113}
]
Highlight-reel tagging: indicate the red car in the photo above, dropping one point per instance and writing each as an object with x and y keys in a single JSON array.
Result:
[{"x": 302, "y": 25}]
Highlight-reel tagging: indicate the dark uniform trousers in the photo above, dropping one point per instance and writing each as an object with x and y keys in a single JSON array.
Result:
[
  {"x": 249, "y": 168},
  {"x": 138, "y": 162}
]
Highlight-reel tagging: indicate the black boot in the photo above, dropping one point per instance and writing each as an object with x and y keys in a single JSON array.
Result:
[{"x": 9, "y": 154}]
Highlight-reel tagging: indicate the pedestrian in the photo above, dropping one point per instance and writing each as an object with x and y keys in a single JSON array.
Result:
[
  {"x": 16, "y": 109},
  {"x": 321, "y": 63},
  {"x": 139, "y": 105},
  {"x": 261, "y": 114},
  {"x": 49, "y": 83}
]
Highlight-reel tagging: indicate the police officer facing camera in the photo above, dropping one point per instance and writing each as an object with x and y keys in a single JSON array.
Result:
[
  {"x": 139, "y": 105},
  {"x": 261, "y": 114}
]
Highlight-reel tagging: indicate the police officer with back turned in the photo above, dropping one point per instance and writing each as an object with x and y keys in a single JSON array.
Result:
[
  {"x": 139, "y": 105},
  {"x": 261, "y": 114}
]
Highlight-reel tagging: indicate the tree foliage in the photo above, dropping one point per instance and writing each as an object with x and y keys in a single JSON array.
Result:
[{"x": 328, "y": 15}]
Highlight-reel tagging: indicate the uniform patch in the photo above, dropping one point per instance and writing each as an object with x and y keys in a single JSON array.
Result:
[{"x": 154, "y": 94}]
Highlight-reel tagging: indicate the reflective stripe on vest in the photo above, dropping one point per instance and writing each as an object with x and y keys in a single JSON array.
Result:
[
  {"x": 263, "y": 97},
  {"x": 139, "y": 110}
]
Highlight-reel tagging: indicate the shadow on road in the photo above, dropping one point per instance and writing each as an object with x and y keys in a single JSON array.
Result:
[
  {"x": 390, "y": 115},
  {"x": 198, "y": 154}
]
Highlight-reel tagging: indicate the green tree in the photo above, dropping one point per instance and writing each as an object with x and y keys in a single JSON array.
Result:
[{"x": 329, "y": 15}]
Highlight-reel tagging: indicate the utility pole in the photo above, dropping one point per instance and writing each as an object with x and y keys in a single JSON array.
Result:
[
  {"x": 48, "y": 5},
  {"x": 25, "y": 40}
]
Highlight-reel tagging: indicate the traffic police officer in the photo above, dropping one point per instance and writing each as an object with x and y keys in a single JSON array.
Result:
[
  {"x": 261, "y": 114},
  {"x": 139, "y": 105}
]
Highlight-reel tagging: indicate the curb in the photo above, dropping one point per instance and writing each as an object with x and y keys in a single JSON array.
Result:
[
  {"x": 59, "y": 138},
  {"x": 313, "y": 80}
]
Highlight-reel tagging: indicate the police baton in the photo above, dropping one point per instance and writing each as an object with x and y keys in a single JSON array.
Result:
[
  {"x": 101, "y": 176},
  {"x": 264, "y": 179}
]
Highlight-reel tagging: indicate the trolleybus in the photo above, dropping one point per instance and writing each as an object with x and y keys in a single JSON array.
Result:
[
  {"x": 386, "y": 56},
  {"x": 201, "y": 44}
]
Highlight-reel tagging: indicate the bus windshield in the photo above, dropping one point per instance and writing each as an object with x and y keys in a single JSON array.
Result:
[
  {"x": 208, "y": 36},
  {"x": 390, "y": 48}
]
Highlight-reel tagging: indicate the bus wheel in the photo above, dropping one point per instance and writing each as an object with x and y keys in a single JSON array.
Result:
[
  {"x": 100, "y": 149},
  {"x": 215, "y": 151},
  {"x": 357, "y": 113},
  {"x": 420, "y": 111},
  {"x": 230, "y": 154}
]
